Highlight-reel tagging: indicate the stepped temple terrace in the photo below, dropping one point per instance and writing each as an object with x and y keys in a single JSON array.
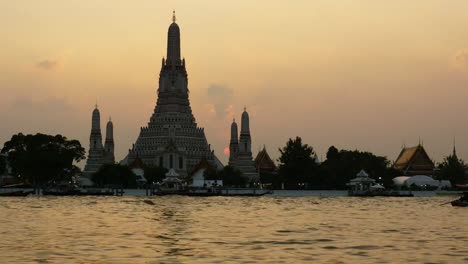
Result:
[{"x": 172, "y": 138}]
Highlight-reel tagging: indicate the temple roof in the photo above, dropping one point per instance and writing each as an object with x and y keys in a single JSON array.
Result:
[
  {"x": 137, "y": 164},
  {"x": 414, "y": 158},
  {"x": 203, "y": 164},
  {"x": 263, "y": 160}
]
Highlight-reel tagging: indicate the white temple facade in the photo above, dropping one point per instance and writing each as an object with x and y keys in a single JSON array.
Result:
[
  {"x": 172, "y": 138},
  {"x": 98, "y": 153},
  {"x": 240, "y": 149}
]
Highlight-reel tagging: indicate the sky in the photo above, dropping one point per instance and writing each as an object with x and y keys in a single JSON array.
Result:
[{"x": 357, "y": 74}]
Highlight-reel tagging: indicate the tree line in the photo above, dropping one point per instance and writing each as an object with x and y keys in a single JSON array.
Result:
[
  {"x": 41, "y": 159},
  {"x": 299, "y": 168}
]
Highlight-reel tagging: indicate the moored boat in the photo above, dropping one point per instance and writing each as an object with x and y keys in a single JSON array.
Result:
[
  {"x": 210, "y": 192},
  {"x": 16, "y": 193},
  {"x": 364, "y": 186},
  {"x": 73, "y": 190},
  {"x": 462, "y": 202}
]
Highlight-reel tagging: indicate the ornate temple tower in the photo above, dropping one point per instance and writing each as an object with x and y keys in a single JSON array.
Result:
[
  {"x": 242, "y": 160},
  {"x": 95, "y": 153},
  {"x": 245, "y": 139},
  {"x": 172, "y": 138},
  {"x": 234, "y": 144},
  {"x": 98, "y": 154},
  {"x": 109, "y": 143},
  {"x": 95, "y": 139}
]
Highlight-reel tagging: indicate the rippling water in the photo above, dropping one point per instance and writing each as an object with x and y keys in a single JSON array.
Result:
[{"x": 232, "y": 230}]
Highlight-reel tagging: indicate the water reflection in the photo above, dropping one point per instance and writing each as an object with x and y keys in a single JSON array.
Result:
[{"x": 220, "y": 229}]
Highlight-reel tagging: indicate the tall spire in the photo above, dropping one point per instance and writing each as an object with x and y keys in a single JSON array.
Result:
[
  {"x": 245, "y": 126},
  {"x": 96, "y": 120},
  {"x": 173, "y": 43},
  {"x": 109, "y": 143},
  {"x": 454, "y": 148},
  {"x": 95, "y": 138},
  {"x": 234, "y": 132}
]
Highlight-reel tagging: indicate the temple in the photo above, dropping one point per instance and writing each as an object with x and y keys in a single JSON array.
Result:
[
  {"x": 240, "y": 149},
  {"x": 172, "y": 138},
  {"x": 264, "y": 163},
  {"x": 98, "y": 153},
  {"x": 414, "y": 161}
]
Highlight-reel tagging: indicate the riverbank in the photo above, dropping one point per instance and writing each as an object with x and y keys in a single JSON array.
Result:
[{"x": 302, "y": 193}]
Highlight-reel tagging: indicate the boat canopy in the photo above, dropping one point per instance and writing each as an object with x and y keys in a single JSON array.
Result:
[
  {"x": 172, "y": 176},
  {"x": 377, "y": 187},
  {"x": 362, "y": 177}
]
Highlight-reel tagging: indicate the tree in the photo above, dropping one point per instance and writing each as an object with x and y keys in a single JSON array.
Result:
[
  {"x": 114, "y": 174},
  {"x": 212, "y": 174},
  {"x": 155, "y": 174},
  {"x": 343, "y": 165},
  {"x": 298, "y": 163},
  {"x": 231, "y": 177},
  {"x": 452, "y": 169},
  {"x": 271, "y": 178},
  {"x": 2, "y": 165},
  {"x": 41, "y": 158}
]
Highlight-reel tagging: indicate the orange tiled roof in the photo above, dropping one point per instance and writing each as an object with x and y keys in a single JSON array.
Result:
[{"x": 409, "y": 157}]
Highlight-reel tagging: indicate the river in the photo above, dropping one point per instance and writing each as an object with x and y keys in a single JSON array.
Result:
[{"x": 290, "y": 227}]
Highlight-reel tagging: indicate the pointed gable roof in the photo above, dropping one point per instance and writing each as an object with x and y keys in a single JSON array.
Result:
[
  {"x": 263, "y": 161},
  {"x": 203, "y": 164},
  {"x": 137, "y": 163},
  {"x": 414, "y": 160}
]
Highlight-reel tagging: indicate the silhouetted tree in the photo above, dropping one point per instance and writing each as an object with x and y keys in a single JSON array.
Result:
[
  {"x": 298, "y": 164},
  {"x": 2, "y": 165},
  {"x": 232, "y": 177},
  {"x": 41, "y": 158},
  {"x": 271, "y": 178},
  {"x": 114, "y": 174},
  {"x": 343, "y": 165},
  {"x": 154, "y": 174},
  {"x": 212, "y": 174},
  {"x": 452, "y": 169}
]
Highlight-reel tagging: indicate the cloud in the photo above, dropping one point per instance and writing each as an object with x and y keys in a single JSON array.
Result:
[
  {"x": 220, "y": 97},
  {"x": 50, "y": 105},
  {"x": 461, "y": 58},
  {"x": 47, "y": 64}
]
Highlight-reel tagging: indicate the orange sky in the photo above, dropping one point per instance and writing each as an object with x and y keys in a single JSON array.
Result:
[{"x": 358, "y": 74}]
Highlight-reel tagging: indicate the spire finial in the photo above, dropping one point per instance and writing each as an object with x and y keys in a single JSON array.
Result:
[
  {"x": 96, "y": 105},
  {"x": 454, "y": 148},
  {"x": 173, "y": 16},
  {"x": 245, "y": 108},
  {"x": 110, "y": 118}
]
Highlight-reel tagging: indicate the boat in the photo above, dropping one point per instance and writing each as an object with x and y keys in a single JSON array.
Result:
[
  {"x": 56, "y": 192},
  {"x": 364, "y": 186},
  {"x": 16, "y": 193},
  {"x": 210, "y": 192},
  {"x": 462, "y": 202},
  {"x": 448, "y": 193},
  {"x": 73, "y": 190},
  {"x": 174, "y": 185}
]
